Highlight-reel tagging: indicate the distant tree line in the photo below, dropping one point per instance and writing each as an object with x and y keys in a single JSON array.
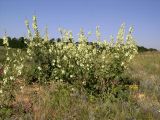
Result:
[
  {"x": 143, "y": 49},
  {"x": 15, "y": 42},
  {"x": 20, "y": 43}
]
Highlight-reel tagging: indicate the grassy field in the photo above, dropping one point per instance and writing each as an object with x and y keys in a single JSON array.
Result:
[
  {"x": 146, "y": 70},
  {"x": 58, "y": 101}
]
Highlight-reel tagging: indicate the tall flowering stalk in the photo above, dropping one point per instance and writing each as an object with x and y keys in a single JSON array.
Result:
[
  {"x": 35, "y": 27},
  {"x": 98, "y": 33},
  {"x": 46, "y": 38},
  {"x": 81, "y": 36},
  {"x": 28, "y": 30}
]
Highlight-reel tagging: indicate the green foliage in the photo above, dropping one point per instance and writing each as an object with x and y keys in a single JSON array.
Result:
[
  {"x": 5, "y": 113},
  {"x": 93, "y": 71},
  {"x": 96, "y": 67}
]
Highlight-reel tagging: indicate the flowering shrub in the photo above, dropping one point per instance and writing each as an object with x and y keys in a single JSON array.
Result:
[
  {"x": 10, "y": 71},
  {"x": 97, "y": 66}
]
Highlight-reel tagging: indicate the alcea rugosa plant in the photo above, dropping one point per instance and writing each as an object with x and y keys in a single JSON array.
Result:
[{"x": 96, "y": 66}]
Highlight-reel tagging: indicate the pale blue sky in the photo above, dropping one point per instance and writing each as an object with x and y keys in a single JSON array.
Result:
[{"x": 144, "y": 15}]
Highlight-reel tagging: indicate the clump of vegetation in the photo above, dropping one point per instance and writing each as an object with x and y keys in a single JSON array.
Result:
[
  {"x": 86, "y": 73},
  {"x": 96, "y": 67}
]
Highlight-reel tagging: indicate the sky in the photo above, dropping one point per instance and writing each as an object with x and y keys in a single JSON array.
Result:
[{"x": 144, "y": 15}]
